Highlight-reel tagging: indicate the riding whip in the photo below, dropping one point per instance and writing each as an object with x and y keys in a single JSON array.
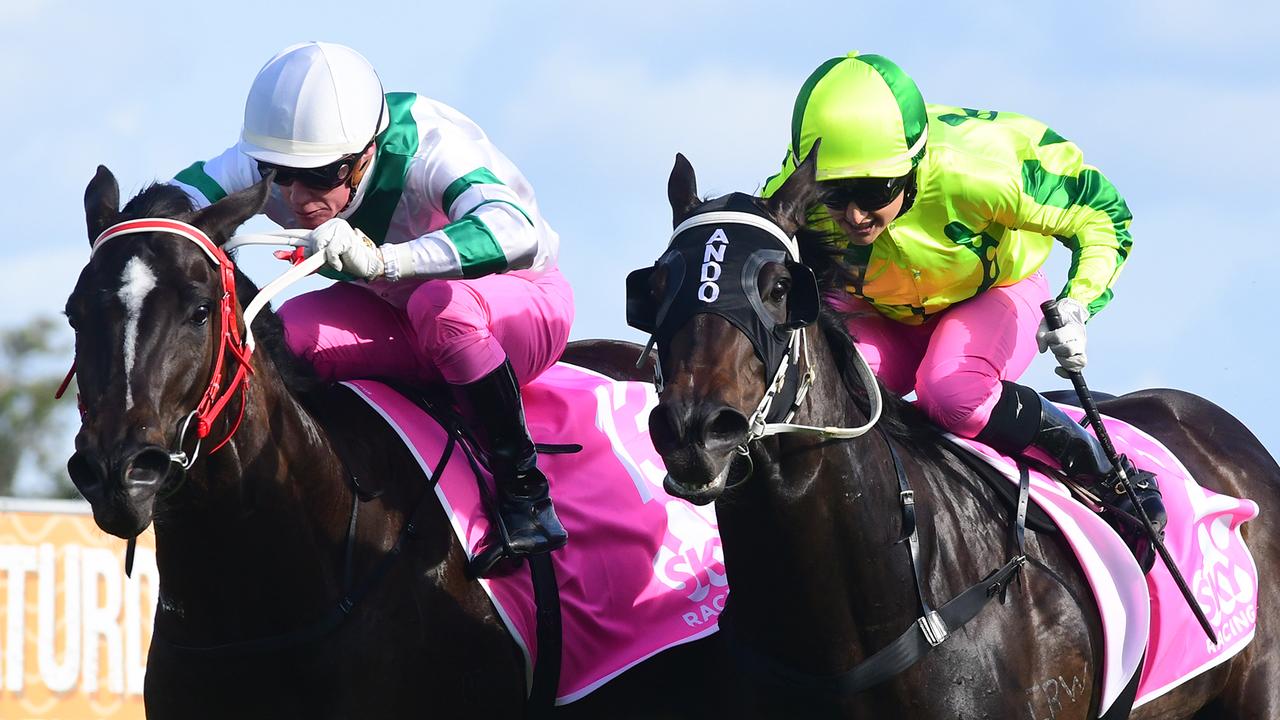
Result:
[{"x": 1054, "y": 319}]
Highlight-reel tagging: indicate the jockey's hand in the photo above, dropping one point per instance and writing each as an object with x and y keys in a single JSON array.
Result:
[
  {"x": 1068, "y": 341},
  {"x": 346, "y": 249}
]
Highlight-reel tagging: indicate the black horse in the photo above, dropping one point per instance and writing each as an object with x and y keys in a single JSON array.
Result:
[
  {"x": 252, "y": 540},
  {"x": 810, "y": 524}
]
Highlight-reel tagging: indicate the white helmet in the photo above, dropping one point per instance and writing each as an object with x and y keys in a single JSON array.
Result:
[{"x": 310, "y": 105}]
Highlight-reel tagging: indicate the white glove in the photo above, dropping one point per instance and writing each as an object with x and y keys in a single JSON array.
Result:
[
  {"x": 346, "y": 249},
  {"x": 1068, "y": 341}
]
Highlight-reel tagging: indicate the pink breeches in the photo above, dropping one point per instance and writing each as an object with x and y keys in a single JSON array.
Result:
[
  {"x": 455, "y": 331},
  {"x": 956, "y": 360}
]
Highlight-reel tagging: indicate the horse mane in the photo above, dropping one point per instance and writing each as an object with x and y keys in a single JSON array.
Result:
[{"x": 170, "y": 201}]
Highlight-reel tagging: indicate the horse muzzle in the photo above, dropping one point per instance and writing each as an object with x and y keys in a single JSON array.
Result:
[
  {"x": 698, "y": 447},
  {"x": 122, "y": 489}
]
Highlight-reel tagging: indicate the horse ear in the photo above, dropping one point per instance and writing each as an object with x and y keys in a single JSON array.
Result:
[
  {"x": 101, "y": 202},
  {"x": 682, "y": 190},
  {"x": 790, "y": 204},
  {"x": 222, "y": 218}
]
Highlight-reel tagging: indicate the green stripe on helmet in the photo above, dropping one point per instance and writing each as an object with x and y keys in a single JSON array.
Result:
[
  {"x": 802, "y": 100},
  {"x": 869, "y": 115},
  {"x": 910, "y": 102}
]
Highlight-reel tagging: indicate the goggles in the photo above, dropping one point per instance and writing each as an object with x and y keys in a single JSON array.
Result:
[
  {"x": 325, "y": 177},
  {"x": 866, "y": 193}
]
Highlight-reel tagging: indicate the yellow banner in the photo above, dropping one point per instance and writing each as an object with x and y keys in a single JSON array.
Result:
[{"x": 74, "y": 631}]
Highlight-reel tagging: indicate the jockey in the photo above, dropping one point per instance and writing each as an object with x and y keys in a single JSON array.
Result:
[
  {"x": 943, "y": 216},
  {"x": 448, "y": 269}
]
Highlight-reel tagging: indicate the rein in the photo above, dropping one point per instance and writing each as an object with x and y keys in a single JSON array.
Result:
[
  {"x": 932, "y": 626},
  {"x": 230, "y": 341}
]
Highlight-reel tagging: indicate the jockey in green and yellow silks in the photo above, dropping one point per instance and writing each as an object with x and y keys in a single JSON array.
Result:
[
  {"x": 986, "y": 181},
  {"x": 944, "y": 216}
]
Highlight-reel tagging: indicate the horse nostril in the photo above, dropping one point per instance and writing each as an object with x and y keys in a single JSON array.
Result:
[
  {"x": 723, "y": 428},
  {"x": 149, "y": 466},
  {"x": 663, "y": 432},
  {"x": 86, "y": 473}
]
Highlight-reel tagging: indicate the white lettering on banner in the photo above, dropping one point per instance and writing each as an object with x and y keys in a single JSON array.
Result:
[
  {"x": 135, "y": 655},
  {"x": 84, "y": 601},
  {"x": 16, "y": 561},
  {"x": 58, "y": 677},
  {"x": 101, "y": 618},
  {"x": 708, "y": 291}
]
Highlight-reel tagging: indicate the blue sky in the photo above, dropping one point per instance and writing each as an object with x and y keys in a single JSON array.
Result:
[{"x": 1173, "y": 101}]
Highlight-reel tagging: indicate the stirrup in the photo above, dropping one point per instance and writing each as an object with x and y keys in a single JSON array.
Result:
[{"x": 486, "y": 562}]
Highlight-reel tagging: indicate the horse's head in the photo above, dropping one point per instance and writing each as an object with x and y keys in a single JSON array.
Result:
[
  {"x": 146, "y": 315},
  {"x": 722, "y": 303}
]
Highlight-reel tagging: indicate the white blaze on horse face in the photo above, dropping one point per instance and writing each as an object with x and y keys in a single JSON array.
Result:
[
  {"x": 708, "y": 291},
  {"x": 136, "y": 282}
]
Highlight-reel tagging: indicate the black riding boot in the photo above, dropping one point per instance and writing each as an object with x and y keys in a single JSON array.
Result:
[
  {"x": 1022, "y": 419},
  {"x": 526, "y": 522}
]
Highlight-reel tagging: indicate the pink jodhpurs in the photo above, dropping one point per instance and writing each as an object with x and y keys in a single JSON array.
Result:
[
  {"x": 956, "y": 360},
  {"x": 455, "y": 331}
]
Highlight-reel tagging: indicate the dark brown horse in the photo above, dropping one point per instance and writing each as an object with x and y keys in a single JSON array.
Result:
[
  {"x": 810, "y": 523},
  {"x": 251, "y": 541}
]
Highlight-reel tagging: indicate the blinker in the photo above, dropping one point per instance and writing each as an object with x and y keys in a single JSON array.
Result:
[{"x": 713, "y": 265}]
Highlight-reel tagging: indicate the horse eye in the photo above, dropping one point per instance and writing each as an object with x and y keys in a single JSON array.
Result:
[
  {"x": 781, "y": 287},
  {"x": 201, "y": 315}
]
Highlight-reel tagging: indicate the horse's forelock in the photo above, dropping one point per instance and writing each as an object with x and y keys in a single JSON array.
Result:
[
  {"x": 170, "y": 201},
  {"x": 158, "y": 200}
]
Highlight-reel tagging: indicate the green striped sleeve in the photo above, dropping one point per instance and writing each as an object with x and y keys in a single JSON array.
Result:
[
  {"x": 1090, "y": 190},
  {"x": 504, "y": 202},
  {"x": 478, "y": 250},
  {"x": 196, "y": 177},
  {"x": 479, "y": 176}
]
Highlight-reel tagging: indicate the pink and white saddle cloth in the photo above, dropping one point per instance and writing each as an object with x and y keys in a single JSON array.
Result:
[
  {"x": 1203, "y": 537},
  {"x": 644, "y": 571}
]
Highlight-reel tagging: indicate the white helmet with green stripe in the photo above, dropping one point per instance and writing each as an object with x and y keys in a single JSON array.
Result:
[
  {"x": 869, "y": 114},
  {"x": 312, "y": 104}
]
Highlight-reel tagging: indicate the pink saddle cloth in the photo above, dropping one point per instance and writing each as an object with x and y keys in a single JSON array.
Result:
[
  {"x": 1203, "y": 537},
  {"x": 642, "y": 572}
]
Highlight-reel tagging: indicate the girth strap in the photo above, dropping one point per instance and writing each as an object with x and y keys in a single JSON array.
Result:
[
  {"x": 902, "y": 653},
  {"x": 929, "y": 630}
]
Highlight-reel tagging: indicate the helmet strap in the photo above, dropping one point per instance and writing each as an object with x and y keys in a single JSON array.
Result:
[
  {"x": 908, "y": 195},
  {"x": 358, "y": 171}
]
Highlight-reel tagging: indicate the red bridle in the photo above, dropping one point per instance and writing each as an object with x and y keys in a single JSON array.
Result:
[{"x": 216, "y": 396}]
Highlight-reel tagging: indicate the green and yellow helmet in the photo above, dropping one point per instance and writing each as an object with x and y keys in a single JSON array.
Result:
[{"x": 869, "y": 114}]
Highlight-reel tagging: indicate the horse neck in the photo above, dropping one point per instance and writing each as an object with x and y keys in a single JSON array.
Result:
[
  {"x": 804, "y": 537},
  {"x": 265, "y": 513}
]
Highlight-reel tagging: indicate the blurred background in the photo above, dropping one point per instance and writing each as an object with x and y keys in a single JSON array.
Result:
[{"x": 1174, "y": 101}]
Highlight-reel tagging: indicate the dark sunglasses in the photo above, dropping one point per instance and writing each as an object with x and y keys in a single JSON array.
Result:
[
  {"x": 866, "y": 193},
  {"x": 325, "y": 177}
]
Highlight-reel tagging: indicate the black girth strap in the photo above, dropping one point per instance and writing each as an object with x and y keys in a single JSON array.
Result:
[
  {"x": 546, "y": 672},
  {"x": 546, "y": 598},
  {"x": 927, "y": 632}
]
